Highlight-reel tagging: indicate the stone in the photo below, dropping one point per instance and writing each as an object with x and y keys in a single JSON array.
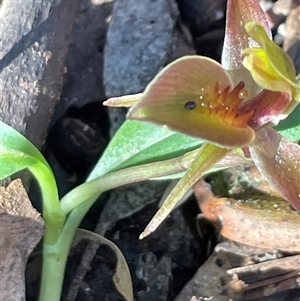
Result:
[
  {"x": 84, "y": 63},
  {"x": 34, "y": 42},
  {"x": 139, "y": 41},
  {"x": 21, "y": 228}
]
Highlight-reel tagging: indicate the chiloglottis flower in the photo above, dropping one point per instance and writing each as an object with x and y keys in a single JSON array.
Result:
[
  {"x": 195, "y": 95},
  {"x": 223, "y": 105}
]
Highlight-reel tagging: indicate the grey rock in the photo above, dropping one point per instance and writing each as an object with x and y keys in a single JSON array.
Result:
[
  {"x": 21, "y": 229},
  {"x": 84, "y": 65},
  {"x": 125, "y": 201},
  {"x": 157, "y": 274},
  {"x": 294, "y": 52},
  {"x": 32, "y": 54},
  {"x": 211, "y": 280},
  {"x": 139, "y": 40}
]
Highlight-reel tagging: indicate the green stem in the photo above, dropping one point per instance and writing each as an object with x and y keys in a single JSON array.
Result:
[
  {"x": 52, "y": 270},
  {"x": 55, "y": 255},
  {"x": 78, "y": 201},
  {"x": 123, "y": 177},
  {"x": 52, "y": 213}
]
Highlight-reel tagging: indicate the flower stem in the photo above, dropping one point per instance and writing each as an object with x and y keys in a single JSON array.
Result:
[
  {"x": 123, "y": 177},
  {"x": 55, "y": 255},
  {"x": 77, "y": 203}
]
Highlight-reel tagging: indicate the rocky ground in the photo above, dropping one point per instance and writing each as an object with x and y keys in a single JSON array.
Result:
[{"x": 117, "y": 48}]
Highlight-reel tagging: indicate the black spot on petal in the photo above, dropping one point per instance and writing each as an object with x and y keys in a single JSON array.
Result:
[{"x": 190, "y": 105}]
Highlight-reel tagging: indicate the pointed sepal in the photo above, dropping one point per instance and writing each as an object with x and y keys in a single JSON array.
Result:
[
  {"x": 239, "y": 12},
  {"x": 207, "y": 157},
  {"x": 279, "y": 161},
  {"x": 123, "y": 101}
]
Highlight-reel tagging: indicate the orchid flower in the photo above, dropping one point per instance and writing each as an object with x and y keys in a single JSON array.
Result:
[{"x": 230, "y": 105}]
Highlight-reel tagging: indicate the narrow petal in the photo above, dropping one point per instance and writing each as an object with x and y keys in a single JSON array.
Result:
[
  {"x": 279, "y": 161},
  {"x": 207, "y": 157},
  {"x": 267, "y": 106},
  {"x": 262, "y": 71},
  {"x": 194, "y": 96},
  {"x": 123, "y": 101},
  {"x": 239, "y": 12},
  {"x": 270, "y": 66}
]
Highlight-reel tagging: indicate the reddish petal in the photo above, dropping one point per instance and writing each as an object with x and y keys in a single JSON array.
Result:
[
  {"x": 194, "y": 96},
  {"x": 267, "y": 106},
  {"x": 272, "y": 227},
  {"x": 279, "y": 161},
  {"x": 239, "y": 12}
]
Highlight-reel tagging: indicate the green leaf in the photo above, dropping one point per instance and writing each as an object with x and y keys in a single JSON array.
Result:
[
  {"x": 13, "y": 161},
  {"x": 18, "y": 153},
  {"x": 293, "y": 120},
  {"x": 292, "y": 134},
  {"x": 13, "y": 140},
  {"x": 138, "y": 143},
  {"x": 290, "y": 127}
]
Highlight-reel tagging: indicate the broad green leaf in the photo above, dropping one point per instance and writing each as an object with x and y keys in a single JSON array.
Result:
[
  {"x": 138, "y": 143},
  {"x": 14, "y": 161},
  {"x": 18, "y": 153},
  {"x": 292, "y": 134},
  {"x": 13, "y": 140},
  {"x": 292, "y": 120}
]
